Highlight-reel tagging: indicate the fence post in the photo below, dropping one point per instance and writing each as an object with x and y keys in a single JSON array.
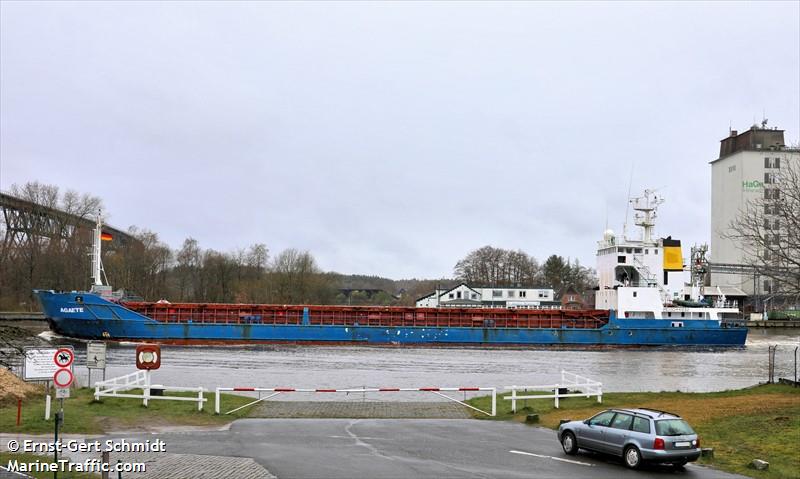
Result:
[
  {"x": 47, "y": 407},
  {"x": 557, "y": 388},
  {"x": 600, "y": 394},
  {"x": 216, "y": 402},
  {"x": 513, "y": 399},
  {"x": 200, "y": 399},
  {"x": 494, "y": 402}
]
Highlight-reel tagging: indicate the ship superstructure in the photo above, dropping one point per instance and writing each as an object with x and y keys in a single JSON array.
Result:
[{"x": 646, "y": 277}]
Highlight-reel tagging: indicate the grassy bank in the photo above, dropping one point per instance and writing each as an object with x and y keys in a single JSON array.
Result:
[
  {"x": 761, "y": 422},
  {"x": 83, "y": 415}
]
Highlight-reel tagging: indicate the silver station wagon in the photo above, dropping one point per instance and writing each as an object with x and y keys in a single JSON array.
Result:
[{"x": 635, "y": 435}]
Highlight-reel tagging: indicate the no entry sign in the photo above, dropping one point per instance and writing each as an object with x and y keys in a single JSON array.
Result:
[{"x": 63, "y": 378}]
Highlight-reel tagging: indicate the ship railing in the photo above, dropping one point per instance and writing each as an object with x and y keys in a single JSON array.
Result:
[
  {"x": 117, "y": 387},
  {"x": 571, "y": 385},
  {"x": 274, "y": 391}
]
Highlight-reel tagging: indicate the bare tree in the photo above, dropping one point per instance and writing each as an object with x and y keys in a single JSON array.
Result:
[{"x": 767, "y": 231}]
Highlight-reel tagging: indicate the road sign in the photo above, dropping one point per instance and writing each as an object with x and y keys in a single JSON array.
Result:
[
  {"x": 63, "y": 378},
  {"x": 62, "y": 393},
  {"x": 39, "y": 365},
  {"x": 96, "y": 355},
  {"x": 64, "y": 357}
]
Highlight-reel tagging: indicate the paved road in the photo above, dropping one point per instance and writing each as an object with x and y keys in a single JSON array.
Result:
[{"x": 407, "y": 448}]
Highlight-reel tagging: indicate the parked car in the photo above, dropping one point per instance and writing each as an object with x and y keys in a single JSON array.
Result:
[{"x": 635, "y": 435}]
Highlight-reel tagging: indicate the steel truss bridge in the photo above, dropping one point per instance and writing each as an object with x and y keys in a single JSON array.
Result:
[{"x": 25, "y": 220}]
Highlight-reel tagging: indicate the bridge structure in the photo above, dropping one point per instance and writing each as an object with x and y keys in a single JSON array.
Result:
[{"x": 24, "y": 220}]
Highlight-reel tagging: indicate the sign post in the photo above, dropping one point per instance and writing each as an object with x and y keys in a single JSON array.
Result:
[
  {"x": 148, "y": 357},
  {"x": 62, "y": 379}
]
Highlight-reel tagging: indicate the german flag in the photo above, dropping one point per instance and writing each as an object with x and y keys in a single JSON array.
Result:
[{"x": 106, "y": 236}]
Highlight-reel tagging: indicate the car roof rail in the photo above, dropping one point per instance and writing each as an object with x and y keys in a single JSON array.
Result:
[
  {"x": 634, "y": 411},
  {"x": 661, "y": 413}
]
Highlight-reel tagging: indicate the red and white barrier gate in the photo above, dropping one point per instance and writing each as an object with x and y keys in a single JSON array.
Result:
[{"x": 438, "y": 391}]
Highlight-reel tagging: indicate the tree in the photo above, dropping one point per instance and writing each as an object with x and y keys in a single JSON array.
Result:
[
  {"x": 767, "y": 231},
  {"x": 497, "y": 267}
]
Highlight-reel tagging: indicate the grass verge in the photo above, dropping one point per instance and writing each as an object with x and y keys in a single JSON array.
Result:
[
  {"x": 762, "y": 422},
  {"x": 84, "y": 415}
]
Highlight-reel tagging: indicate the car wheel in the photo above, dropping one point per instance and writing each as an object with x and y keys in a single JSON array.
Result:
[
  {"x": 632, "y": 457},
  {"x": 569, "y": 443}
]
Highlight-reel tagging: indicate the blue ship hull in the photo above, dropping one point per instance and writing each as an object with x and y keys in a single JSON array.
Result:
[{"x": 87, "y": 316}]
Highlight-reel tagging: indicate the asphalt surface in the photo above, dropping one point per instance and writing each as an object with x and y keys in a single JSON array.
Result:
[{"x": 408, "y": 448}]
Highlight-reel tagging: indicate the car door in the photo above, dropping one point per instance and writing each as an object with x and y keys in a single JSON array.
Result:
[
  {"x": 591, "y": 434},
  {"x": 616, "y": 435}
]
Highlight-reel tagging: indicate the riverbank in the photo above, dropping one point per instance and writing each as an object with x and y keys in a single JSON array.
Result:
[
  {"x": 761, "y": 422},
  {"x": 84, "y": 415}
]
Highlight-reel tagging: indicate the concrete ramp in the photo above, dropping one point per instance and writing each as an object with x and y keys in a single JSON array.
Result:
[{"x": 359, "y": 410}]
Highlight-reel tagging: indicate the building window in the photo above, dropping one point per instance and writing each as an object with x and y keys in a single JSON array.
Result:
[
  {"x": 776, "y": 162},
  {"x": 771, "y": 194},
  {"x": 655, "y": 251},
  {"x": 646, "y": 251},
  {"x": 541, "y": 294},
  {"x": 523, "y": 294},
  {"x": 767, "y": 286},
  {"x": 767, "y": 163},
  {"x": 496, "y": 293},
  {"x": 450, "y": 296},
  {"x": 638, "y": 251},
  {"x": 510, "y": 294},
  {"x": 458, "y": 295},
  {"x": 620, "y": 259}
]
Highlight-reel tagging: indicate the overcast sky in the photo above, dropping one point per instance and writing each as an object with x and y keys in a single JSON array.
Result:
[{"x": 390, "y": 138}]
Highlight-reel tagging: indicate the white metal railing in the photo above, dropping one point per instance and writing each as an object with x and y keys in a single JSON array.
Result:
[
  {"x": 434, "y": 390},
  {"x": 141, "y": 380},
  {"x": 588, "y": 388}
]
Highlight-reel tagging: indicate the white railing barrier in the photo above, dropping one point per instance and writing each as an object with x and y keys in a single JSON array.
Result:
[
  {"x": 569, "y": 380},
  {"x": 276, "y": 391},
  {"x": 141, "y": 380}
]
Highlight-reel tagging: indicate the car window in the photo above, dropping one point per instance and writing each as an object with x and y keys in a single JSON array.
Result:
[
  {"x": 602, "y": 419},
  {"x": 673, "y": 427},
  {"x": 641, "y": 424},
  {"x": 622, "y": 421}
]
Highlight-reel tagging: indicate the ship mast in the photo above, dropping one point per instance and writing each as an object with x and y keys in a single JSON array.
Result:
[
  {"x": 646, "y": 213},
  {"x": 97, "y": 262}
]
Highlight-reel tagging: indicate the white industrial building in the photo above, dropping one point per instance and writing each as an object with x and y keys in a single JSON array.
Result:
[
  {"x": 746, "y": 169},
  {"x": 464, "y": 296}
]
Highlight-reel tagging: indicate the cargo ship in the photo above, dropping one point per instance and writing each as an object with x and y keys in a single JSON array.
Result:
[{"x": 634, "y": 307}]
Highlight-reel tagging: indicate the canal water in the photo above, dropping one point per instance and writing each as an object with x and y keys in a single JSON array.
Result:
[{"x": 647, "y": 369}]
